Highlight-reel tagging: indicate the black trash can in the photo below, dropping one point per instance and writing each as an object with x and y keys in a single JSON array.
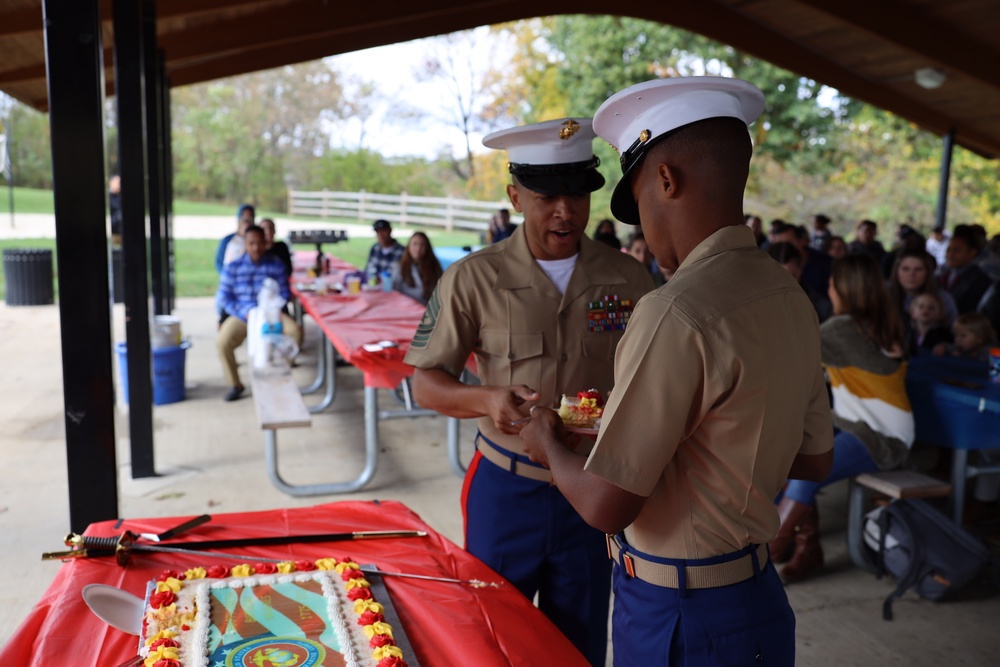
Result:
[
  {"x": 117, "y": 276},
  {"x": 27, "y": 273}
]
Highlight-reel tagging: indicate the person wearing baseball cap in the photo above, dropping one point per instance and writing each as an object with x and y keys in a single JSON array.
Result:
[
  {"x": 385, "y": 254},
  {"x": 719, "y": 394},
  {"x": 542, "y": 311}
]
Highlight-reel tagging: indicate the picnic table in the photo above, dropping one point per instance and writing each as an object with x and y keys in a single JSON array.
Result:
[
  {"x": 370, "y": 330},
  {"x": 955, "y": 406},
  {"x": 446, "y": 624}
]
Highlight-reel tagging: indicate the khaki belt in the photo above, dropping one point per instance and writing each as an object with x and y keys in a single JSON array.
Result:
[
  {"x": 696, "y": 576},
  {"x": 508, "y": 462}
]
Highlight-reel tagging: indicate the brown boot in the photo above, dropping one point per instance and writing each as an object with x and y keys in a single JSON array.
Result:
[
  {"x": 791, "y": 514},
  {"x": 808, "y": 556}
]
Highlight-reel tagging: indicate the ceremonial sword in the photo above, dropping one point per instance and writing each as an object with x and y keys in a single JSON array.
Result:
[{"x": 124, "y": 546}]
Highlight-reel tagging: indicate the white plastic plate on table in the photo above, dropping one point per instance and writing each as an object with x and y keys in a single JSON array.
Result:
[
  {"x": 119, "y": 609},
  {"x": 581, "y": 430}
]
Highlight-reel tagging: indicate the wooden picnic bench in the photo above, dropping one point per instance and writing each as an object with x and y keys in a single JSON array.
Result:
[{"x": 894, "y": 484}]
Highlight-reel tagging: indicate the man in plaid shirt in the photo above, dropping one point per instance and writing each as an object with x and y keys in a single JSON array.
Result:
[
  {"x": 385, "y": 253},
  {"x": 238, "y": 289}
]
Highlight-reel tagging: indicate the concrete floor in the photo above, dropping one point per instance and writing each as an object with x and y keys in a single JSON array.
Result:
[{"x": 210, "y": 457}]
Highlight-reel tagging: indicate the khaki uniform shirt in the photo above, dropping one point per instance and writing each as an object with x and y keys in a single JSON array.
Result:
[
  {"x": 498, "y": 304},
  {"x": 718, "y": 386}
]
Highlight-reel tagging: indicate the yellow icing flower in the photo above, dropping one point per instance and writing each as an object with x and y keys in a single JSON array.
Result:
[
  {"x": 169, "y": 584},
  {"x": 286, "y": 567},
  {"x": 357, "y": 583},
  {"x": 326, "y": 563},
  {"x": 196, "y": 573},
  {"x": 161, "y": 653},
  {"x": 387, "y": 652},
  {"x": 165, "y": 633},
  {"x": 242, "y": 570},
  {"x": 361, "y": 606},
  {"x": 340, "y": 567},
  {"x": 377, "y": 628}
]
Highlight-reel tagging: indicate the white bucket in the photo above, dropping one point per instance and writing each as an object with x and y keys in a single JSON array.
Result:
[{"x": 165, "y": 332}]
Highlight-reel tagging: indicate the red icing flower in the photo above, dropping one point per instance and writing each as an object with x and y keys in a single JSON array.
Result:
[
  {"x": 381, "y": 640},
  {"x": 345, "y": 559},
  {"x": 391, "y": 661},
  {"x": 185, "y": 627},
  {"x": 166, "y": 574},
  {"x": 217, "y": 572},
  {"x": 349, "y": 574},
  {"x": 304, "y": 565},
  {"x": 359, "y": 593},
  {"x": 265, "y": 568},
  {"x": 370, "y": 617},
  {"x": 166, "y": 641},
  {"x": 157, "y": 600}
]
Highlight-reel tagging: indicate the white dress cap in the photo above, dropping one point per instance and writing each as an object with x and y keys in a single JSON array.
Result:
[
  {"x": 633, "y": 119},
  {"x": 552, "y": 157}
]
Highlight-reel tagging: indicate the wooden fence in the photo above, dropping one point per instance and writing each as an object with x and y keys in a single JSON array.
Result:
[{"x": 402, "y": 209}]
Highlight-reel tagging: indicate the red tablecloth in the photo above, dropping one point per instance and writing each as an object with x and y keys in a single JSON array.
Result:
[
  {"x": 351, "y": 321},
  {"x": 447, "y": 624}
]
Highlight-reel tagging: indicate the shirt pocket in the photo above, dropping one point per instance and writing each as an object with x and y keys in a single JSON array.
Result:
[
  {"x": 512, "y": 358},
  {"x": 600, "y": 347}
]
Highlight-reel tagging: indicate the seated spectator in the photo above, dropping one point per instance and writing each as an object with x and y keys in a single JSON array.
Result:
[
  {"x": 500, "y": 226},
  {"x": 790, "y": 258},
  {"x": 384, "y": 254},
  {"x": 605, "y": 233},
  {"x": 989, "y": 305},
  {"x": 912, "y": 275},
  {"x": 231, "y": 245},
  {"x": 835, "y": 247},
  {"x": 418, "y": 271},
  {"x": 238, "y": 289},
  {"x": 987, "y": 259},
  {"x": 757, "y": 226},
  {"x": 815, "y": 265},
  {"x": 866, "y": 241},
  {"x": 927, "y": 328},
  {"x": 774, "y": 227},
  {"x": 907, "y": 238},
  {"x": 962, "y": 277},
  {"x": 638, "y": 248},
  {"x": 937, "y": 244},
  {"x": 974, "y": 336},
  {"x": 820, "y": 231},
  {"x": 277, "y": 249},
  {"x": 862, "y": 349}
]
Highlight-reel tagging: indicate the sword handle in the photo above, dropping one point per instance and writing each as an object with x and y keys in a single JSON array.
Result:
[
  {"x": 120, "y": 546},
  {"x": 84, "y": 542}
]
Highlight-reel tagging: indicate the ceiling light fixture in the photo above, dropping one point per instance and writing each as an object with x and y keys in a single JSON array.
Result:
[{"x": 930, "y": 78}]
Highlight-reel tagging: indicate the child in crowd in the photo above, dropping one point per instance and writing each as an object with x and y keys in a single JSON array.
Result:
[
  {"x": 927, "y": 328},
  {"x": 974, "y": 336}
]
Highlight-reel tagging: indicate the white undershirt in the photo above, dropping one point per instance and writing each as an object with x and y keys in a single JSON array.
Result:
[{"x": 559, "y": 271}]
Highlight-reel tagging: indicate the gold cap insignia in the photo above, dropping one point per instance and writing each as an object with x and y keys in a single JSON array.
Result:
[
  {"x": 644, "y": 136},
  {"x": 568, "y": 129}
]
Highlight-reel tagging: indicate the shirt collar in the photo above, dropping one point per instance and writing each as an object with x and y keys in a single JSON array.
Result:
[{"x": 733, "y": 237}]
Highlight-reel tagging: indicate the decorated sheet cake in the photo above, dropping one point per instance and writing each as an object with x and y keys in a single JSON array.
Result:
[{"x": 290, "y": 614}]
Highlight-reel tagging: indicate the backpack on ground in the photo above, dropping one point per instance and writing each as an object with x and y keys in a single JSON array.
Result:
[{"x": 925, "y": 550}]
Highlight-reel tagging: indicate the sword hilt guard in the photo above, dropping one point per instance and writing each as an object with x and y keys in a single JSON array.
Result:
[{"x": 121, "y": 545}]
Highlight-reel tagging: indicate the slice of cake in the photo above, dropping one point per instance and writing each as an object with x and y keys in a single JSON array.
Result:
[
  {"x": 584, "y": 411},
  {"x": 290, "y": 614}
]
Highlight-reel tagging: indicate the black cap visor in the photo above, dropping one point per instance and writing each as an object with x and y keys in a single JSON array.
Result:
[{"x": 573, "y": 178}]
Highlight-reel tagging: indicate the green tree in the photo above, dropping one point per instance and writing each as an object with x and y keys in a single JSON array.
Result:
[{"x": 28, "y": 144}]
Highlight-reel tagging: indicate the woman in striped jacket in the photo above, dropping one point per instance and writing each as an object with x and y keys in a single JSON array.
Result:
[{"x": 863, "y": 352}]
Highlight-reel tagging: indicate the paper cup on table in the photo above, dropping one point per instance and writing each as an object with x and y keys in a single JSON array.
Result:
[{"x": 353, "y": 285}]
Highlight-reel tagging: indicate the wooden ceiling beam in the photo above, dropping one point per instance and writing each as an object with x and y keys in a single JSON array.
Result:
[{"x": 921, "y": 35}]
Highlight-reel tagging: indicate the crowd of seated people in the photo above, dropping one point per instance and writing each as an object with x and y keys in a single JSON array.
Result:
[{"x": 926, "y": 295}]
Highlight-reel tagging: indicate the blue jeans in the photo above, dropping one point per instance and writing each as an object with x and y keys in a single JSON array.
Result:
[{"x": 850, "y": 458}]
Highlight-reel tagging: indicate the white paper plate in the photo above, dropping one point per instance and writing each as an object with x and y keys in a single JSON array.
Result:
[{"x": 117, "y": 608}]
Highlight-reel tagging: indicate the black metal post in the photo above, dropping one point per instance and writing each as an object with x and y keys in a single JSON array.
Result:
[
  {"x": 948, "y": 148},
  {"x": 154, "y": 137},
  {"x": 132, "y": 163},
  {"x": 75, "y": 77},
  {"x": 168, "y": 180}
]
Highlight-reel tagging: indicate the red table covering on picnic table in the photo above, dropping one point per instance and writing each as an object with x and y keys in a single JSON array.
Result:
[
  {"x": 351, "y": 321},
  {"x": 447, "y": 624}
]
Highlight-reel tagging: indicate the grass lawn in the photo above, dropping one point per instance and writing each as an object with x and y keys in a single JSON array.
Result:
[{"x": 194, "y": 259}]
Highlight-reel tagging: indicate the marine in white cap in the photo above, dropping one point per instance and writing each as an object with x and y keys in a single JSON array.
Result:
[
  {"x": 542, "y": 311},
  {"x": 719, "y": 394}
]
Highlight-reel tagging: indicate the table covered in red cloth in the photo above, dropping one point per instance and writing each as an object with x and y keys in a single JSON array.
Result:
[{"x": 447, "y": 624}]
